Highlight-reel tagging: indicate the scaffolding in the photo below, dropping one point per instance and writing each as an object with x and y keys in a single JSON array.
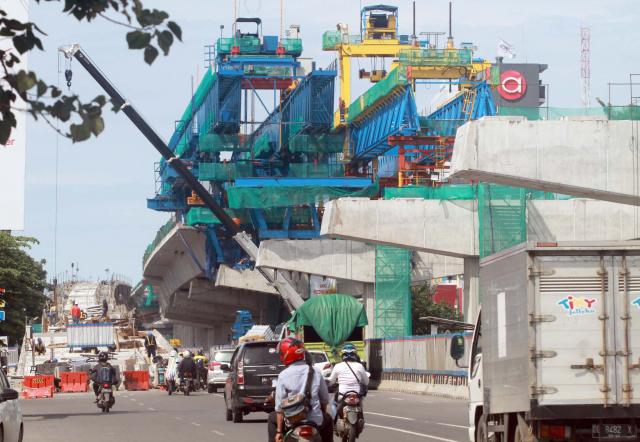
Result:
[{"x": 393, "y": 292}]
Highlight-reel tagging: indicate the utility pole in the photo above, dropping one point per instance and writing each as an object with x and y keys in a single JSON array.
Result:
[{"x": 585, "y": 65}]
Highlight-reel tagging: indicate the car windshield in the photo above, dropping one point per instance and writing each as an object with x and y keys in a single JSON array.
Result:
[
  {"x": 319, "y": 357},
  {"x": 261, "y": 355},
  {"x": 223, "y": 356}
]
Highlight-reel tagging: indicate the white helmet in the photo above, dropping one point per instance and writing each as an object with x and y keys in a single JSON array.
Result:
[
  {"x": 173, "y": 353},
  {"x": 187, "y": 354}
]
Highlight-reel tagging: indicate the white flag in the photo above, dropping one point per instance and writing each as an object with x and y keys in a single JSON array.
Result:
[{"x": 505, "y": 50}]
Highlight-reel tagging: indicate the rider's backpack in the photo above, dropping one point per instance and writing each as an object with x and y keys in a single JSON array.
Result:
[{"x": 103, "y": 374}]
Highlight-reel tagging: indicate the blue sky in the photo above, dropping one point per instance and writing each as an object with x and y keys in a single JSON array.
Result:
[{"x": 103, "y": 184}]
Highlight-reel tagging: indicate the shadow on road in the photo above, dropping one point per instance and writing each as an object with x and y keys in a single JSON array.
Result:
[{"x": 53, "y": 416}]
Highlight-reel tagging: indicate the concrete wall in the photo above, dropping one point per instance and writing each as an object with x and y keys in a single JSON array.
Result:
[
  {"x": 584, "y": 157},
  {"x": 202, "y": 337},
  {"x": 419, "y": 364}
]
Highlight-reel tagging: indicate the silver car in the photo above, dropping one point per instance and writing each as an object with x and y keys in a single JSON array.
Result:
[
  {"x": 218, "y": 370},
  {"x": 10, "y": 412}
]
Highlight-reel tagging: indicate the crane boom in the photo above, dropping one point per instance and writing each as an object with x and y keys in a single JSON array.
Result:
[{"x": 282, "y": 284}]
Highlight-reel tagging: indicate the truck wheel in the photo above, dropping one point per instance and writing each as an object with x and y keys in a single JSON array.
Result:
[
  {"x": 237, "y": 416},
  {"x": 211, "y": 388}
]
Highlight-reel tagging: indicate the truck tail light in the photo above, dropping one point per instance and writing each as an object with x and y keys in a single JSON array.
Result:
[
  {"x": 240, "y": 373},
  {"x": 555, "y": 432}
]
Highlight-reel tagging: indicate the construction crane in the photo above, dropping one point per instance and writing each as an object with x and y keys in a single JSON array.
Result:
[
  {"x": 280, "y": 282},
  {"x": 379, "y": 37}
]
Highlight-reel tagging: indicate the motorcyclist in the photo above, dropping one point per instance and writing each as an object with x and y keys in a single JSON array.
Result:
[
  {"x": 172, "y": 369},
  {"x": 201, "y": 364},
  {"x": 187, "y": 367},
  {"x": 103, "y": 372},
  {"x": 350, "y": 374},
  {"x": 291, "y": 381}
]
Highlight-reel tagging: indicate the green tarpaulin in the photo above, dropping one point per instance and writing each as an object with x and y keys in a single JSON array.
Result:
[{"x": 333, "y": 317}]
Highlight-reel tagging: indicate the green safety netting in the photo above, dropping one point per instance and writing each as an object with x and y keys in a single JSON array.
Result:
[
  {"x": 331, "y": 40},
  {"x": 281, "y": 196},
  {"x": 221, "y": 142},
  {"x": 311, "y": 170},
  {"x": 195, "y": 103},
  {"x": 326, "y": 143},
  {"x": 396, "y": 78},
  {"x": 202, "y": 216},
  {"x": 451, "y": 192},
  {"x": 224, "y": 45},
  {"x": 223, "y": 171},
  {"x": 248, "y": 44},
  {"x": 435, "y": 57},
  {"x": 333, "y": 317},
  {"x": 393, "y": 293},
  {"x": 160, "y": 235},
  {"x": 292, "y": 45},
  {"x": 556, "y": 113},
  {"x": 262, "y": 145},
  {"x": 269, "y": 71}
]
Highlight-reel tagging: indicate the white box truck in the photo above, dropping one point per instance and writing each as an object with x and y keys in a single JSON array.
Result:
[{"x": 556, "y": 349}]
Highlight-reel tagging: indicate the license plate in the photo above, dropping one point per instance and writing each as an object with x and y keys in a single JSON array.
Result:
[{"x": 614, "y": 431}]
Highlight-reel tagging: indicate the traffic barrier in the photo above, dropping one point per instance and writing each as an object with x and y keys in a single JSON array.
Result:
[
  {"x": 136, "y": 380},
  {"x": 74, "y": 382},
  {"x": 38, "y": 381},
  {"x": 37, "y": 393}
]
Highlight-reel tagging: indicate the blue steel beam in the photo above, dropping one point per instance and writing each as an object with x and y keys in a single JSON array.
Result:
[{"x": 397, "y": 115}]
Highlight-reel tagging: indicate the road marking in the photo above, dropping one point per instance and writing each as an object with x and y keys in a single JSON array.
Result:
[
  {"x": 390, "y": 415},
  {"x": 413, "y": 433},
  {"x": 396, "y": 399},
  {"x": 452, "y": 425},
  {"x": 141, "y": 404},
  {"x": 219, "y": 433},
  {"x": 133, "y": 399},
  {"x": 195, "y": 423},
  {"x": 218, "y": 394},
  {"x": 179, "y": 418},
  {"x": 152, "y": 409}
]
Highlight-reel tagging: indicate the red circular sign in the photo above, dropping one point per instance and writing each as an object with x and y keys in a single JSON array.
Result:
[{"x": 513, "y": 85}]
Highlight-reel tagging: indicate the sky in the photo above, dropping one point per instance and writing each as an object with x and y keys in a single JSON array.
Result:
[{"x": 103, "y": 184}]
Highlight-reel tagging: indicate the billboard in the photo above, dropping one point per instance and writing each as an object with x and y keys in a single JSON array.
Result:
[
  {"x": 520, "y": 85},
  {"x": 12, "y": 154}
]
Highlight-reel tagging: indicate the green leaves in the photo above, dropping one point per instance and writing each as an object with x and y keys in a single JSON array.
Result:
[
  {"x": 151, "y": 32},
  {"x": 150, "y": 54},
  {"x": 138, "y": 39}
]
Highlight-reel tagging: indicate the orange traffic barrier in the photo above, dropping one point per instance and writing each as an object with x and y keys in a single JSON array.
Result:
[
  {"x": 37, "y": 393},
  {"x": 38, "y": 381},
  {"x": 136, "y": 380},
  {"x": 74, "y": 382}
]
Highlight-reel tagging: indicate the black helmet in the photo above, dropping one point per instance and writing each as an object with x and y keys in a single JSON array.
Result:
[
  {"x": 200, "y": 352},
  {"x": 103, "y": 356}
]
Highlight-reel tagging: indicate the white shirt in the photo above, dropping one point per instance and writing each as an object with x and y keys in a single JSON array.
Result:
[{"x": 345, "y": 377}]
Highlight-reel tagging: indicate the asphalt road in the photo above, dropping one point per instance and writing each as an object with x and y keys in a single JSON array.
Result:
[{"x": 154, "y": 416}]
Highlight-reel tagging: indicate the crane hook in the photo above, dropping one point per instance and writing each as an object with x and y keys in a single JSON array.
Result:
[{"x": 68, "y": 74}]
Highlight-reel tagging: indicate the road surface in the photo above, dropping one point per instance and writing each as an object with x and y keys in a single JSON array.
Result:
[{"x": 154, "y": 416}]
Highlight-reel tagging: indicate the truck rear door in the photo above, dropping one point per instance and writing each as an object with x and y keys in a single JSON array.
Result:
[
  {"x": 627, "y": 328},
  {"x": 574, "y": 348}
]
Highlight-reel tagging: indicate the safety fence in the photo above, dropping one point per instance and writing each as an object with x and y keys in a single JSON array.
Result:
[
  {"x": 420, "y": 359},
  {"x": 90, "y": 335}
]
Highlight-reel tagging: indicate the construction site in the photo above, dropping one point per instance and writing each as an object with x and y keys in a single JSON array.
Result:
[{"x": 408, "y": 163}]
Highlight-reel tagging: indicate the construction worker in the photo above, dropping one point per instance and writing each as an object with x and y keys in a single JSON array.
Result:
[
  {"x": 151, "y": 345},
  {"x": 75, "y": 313}
]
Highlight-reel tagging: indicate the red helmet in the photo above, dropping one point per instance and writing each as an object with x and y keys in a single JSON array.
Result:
[{"x": 291, "y": 350}]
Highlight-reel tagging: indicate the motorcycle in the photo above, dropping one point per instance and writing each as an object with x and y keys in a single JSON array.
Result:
[
  {"x": 303, "y": 432},
  {"x": 170, "y": 385},
  {"x": 350, "y": 419},
  {"x": 186, "y": 385},
  {"x": 106, "y": 400}
]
